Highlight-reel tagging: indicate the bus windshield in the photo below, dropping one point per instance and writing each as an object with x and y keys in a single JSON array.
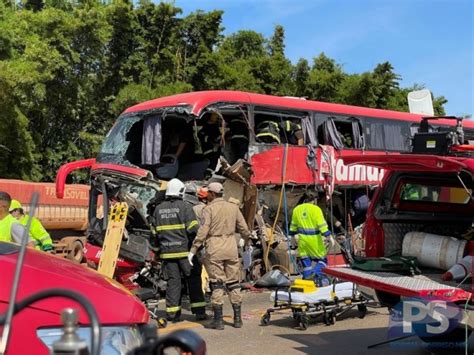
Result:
[{"x": 117, "y": 145}]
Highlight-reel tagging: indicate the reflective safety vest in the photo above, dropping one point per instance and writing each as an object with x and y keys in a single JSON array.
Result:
[
  {"x": 6, "y": 228},
  {"x": 308, "y": 222},
  {"x": 176, "y": 226},
  {"x": 37, "y": 232},
  {"x": 268, "y": 132}
]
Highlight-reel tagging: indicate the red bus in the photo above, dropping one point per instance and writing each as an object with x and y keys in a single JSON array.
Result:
[{"x": 163, "y": 138}]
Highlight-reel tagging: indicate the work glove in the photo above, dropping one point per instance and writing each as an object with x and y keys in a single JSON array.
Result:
[
  {"x": 329, "y": 242},
  {"x": 190, "y": 258},
  {"x": 47, "y": 248},
  {"x": 241, "y": 242}
]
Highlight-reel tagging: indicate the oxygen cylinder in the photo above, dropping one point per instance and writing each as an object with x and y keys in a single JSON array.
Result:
[{"x": 460, "y": 270}]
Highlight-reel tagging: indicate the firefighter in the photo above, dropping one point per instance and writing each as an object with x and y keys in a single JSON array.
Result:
[
  {"x": 311, "y": 230},
  {"x": 291, "y": 133},
  {"x": 176, "y": 226},
  {"x": 39, "y": 234},
  {"x": 10, "y": 229},
  {"x": 210, "y": 139},
  {"x": 220, "y": 221},
  {"x": 239, "y": 138},
  {"x": 268, "y": 132}
]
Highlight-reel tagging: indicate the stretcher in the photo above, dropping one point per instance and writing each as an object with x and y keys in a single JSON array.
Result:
[{"x": 327, "y": 302}]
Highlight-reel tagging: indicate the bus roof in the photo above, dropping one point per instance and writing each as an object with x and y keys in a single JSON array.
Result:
[{"x": 198, "y": 100}]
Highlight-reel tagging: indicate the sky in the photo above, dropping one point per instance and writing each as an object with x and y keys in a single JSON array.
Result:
[{"x": 429, "y": 42}]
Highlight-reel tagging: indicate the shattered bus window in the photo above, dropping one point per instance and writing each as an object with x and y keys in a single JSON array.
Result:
[{"x": 118, "y": 140}]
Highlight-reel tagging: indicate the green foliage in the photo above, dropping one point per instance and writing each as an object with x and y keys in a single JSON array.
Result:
[{"x": 68, "y": 68}]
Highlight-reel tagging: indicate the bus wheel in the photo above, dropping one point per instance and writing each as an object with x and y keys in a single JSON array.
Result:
[{"x": 76, "y": 251}]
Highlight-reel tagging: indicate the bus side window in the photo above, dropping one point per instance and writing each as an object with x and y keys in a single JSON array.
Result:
[
  {"x": 273, "y": 127},
  {"x": 344, "y": 130}
]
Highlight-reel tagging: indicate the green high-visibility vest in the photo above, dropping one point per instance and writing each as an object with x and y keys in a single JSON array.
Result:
[
  {"x": 308, "y": 222},
  {"x": 37, "y": 231},
  {"x": 6, "y": 228}
]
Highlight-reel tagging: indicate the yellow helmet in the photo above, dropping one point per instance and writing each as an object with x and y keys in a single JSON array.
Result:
[{"x": 15, "y": 204}]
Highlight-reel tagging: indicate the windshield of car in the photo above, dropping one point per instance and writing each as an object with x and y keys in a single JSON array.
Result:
[{"x": 435, "y": 193}]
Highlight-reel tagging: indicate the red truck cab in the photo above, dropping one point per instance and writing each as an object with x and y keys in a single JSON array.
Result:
[{"x": 34, "y": 329}]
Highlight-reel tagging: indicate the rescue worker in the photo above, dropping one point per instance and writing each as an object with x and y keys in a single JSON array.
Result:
[
  {"x": 268, "y": 131},
  {"x": 220, "y": 221},
  {"x": 10, "y": 229},
  {"x": 210, "y": 138},
  {"x": 202, "y": 196},
  {"x": 292, "y": 133},
  {"x": 39, "y": 234},
  {"x": 311, "y": 229},
  {"x": 239, "y": 138},
  {"x": 176, "y": 227}
]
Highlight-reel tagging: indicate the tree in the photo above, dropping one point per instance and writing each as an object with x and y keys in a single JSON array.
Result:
[
  {"x": 324, "y": 79},
  {"x": 385, "y": 83},
  {"x": 276, "y": 45},
  {"x": 301, "y": 75}
]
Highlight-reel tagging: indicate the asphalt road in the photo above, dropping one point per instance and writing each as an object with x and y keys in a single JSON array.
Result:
[{"x": 350, "y": 334}]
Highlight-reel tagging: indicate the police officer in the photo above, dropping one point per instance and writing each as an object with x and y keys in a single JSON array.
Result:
[
  {"x": 176, "y": 226},
  {"x": 311, "y": 230},
  {"x": 220, "y": 221},
  {"x": 37, "y": 231}
]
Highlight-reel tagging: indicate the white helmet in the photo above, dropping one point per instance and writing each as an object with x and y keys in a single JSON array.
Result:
[{"x": 175, "y": 188}]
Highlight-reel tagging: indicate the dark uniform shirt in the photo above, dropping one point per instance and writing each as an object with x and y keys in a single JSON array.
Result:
[{"x": 176, "y": 227}]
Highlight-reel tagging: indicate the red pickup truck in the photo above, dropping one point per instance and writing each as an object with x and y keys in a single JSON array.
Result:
[{"x": 422, "y": 213}]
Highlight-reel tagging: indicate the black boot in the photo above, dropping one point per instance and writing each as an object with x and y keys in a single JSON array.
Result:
[
  {"x": 218, "y": 321},
  {"x": 237, "y": 315}
]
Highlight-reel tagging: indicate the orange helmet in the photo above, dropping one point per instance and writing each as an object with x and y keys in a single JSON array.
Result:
[{"x": 202, "y": 193}]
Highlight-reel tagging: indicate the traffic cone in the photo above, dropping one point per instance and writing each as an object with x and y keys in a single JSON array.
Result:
[{"x": 460, "y": 270}]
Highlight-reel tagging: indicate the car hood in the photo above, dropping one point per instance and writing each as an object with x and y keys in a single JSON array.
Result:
[{"x": 42, "y": 271}]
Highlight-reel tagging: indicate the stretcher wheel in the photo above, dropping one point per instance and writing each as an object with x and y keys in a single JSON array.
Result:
[
  {"x": 303, "y": 322},
  {"x": 329, "y": 318},
  {"x": 265, "y": 320},
  {"x": 162, "y": 322},
  {"x": 362, "y": 308}
]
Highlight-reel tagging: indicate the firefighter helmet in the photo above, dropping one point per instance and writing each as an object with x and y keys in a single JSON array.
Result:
[{"x": 175, "y": 188}]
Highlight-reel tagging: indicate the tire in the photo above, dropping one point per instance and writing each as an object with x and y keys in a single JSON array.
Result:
[
  {"x": 329, "y": 318},
  {"x": 265, "y": 320},
  {"x": 303, "y": 322},
  {"x": 77, "y": 252},
  {"x": 362, "y": 308}
]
